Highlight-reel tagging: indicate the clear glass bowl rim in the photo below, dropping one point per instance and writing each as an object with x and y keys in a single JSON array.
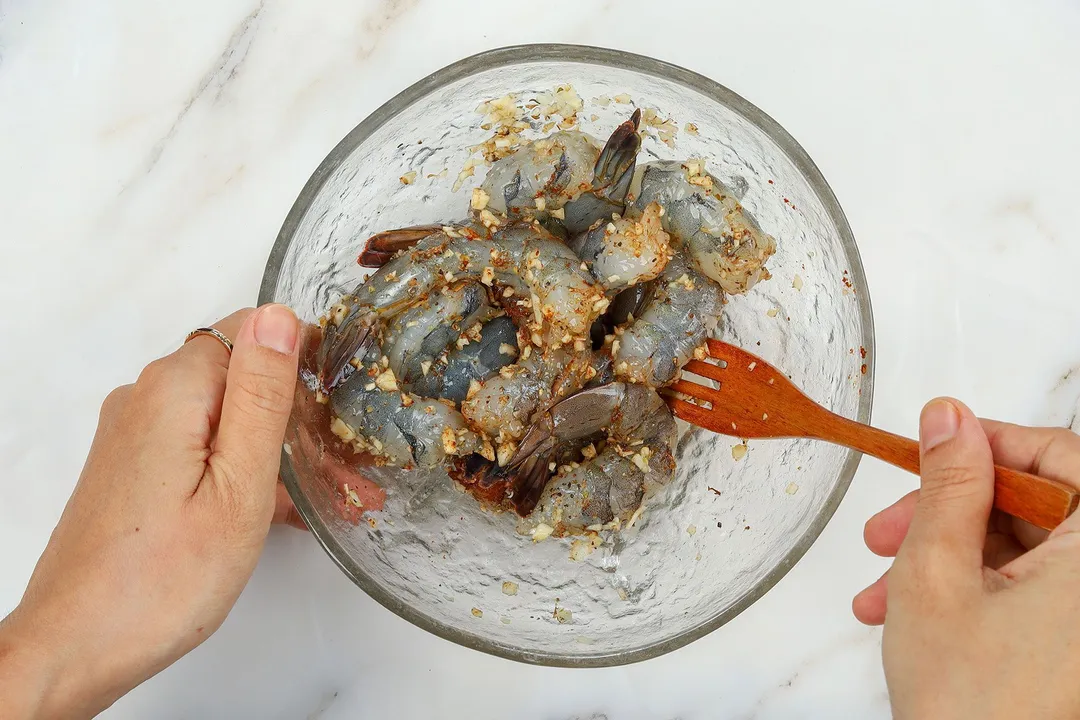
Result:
[{"x": 549, "y": 52}]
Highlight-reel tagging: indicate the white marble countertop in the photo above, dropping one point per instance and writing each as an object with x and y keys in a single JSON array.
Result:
[{"x": 150, "y": 150}]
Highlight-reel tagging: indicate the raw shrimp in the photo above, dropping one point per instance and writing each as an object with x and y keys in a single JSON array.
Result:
[
  {"x": 625, "y": 306},
  {"x": 625, "y": 251},
  {"x": 506, "y": 406},
  {"x": 414, "y": 338},
  {"x": 521, "y": 257},
  {"x": 723, "y": 241},
  {"x": 503, "y": 406},
  {"x": 372, "y": 414},
  {"x": 549, "y": 315},
  {"x": 639, "y": 434},
  {"x": 602, "y": 371},
  {"x": 380, "y": 248},
  {"x": 451, "y": 376},
  {"x": 682, "y": 309},
  {"x": 567, "y": 176}
]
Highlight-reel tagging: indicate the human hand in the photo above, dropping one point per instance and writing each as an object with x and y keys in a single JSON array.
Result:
[
  {"x": 980, "y": 609},
  {"x": 165, "y": 525}
]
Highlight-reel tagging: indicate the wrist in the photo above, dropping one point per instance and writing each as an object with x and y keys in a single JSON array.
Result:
[{"x": 38, "y": 677}]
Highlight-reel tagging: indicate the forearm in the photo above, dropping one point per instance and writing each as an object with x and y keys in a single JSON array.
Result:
[
  {"x": 36, "y": 678},
  {"x": 138, "y": 573}
]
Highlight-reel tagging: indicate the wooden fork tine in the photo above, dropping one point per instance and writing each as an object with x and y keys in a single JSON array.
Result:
[
  {"x": 691, "y": 413},
  {"x": 731, "y": 354},
  {"x": 739, "y": 359},
  {"x": 696, "y": 391},
  {"x": 721, "y": 350},
  {"x": 758, "y": 400},
  {"x": 705, "y": 369}
]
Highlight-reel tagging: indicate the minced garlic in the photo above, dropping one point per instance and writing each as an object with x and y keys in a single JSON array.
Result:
[
  {"x": 479, "y": 199},
  {"x": 342, "y": 430},
  {"x": 386, "y": 380},
  {"x": 541, "y": 532}
]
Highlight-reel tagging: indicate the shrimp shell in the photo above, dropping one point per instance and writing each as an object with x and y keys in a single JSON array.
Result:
[
  {"x": 626, "y": 251},
  {"x": 723, "y": 241},
  {"x": 683, "y": 307},
  {"x": 638, "y": 454}
]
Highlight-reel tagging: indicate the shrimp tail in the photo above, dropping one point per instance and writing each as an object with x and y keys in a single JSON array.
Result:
[
  {"x": 381, "y": 247},
  {"x": 530, "y": 465},
  {"x": 539, "y": 440},
  {"x": 613, "y": 174},
  {"x": 567, "y": 426},
  {"x": 521, "y": 486},
  {"x": 614, "y": 168},
  {"x": 529, "y": 482},
  {"x": 521, "y": 481},
  {"x": 481, "y": 477},
  {"x": 340, "y": 344}
]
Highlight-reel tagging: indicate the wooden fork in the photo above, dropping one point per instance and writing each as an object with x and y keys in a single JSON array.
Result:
[{"x": 755, "y": 400}]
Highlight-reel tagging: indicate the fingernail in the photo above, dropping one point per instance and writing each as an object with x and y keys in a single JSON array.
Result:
[
  {"x": 276, "y": 328},
  {"x": 940, "y": 421}
]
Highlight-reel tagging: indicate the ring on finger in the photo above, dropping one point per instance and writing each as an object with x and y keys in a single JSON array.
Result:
[{"x": 211, "y": 332}]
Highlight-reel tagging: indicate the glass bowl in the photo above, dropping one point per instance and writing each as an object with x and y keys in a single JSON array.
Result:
[{"x": 731, "y": 524}]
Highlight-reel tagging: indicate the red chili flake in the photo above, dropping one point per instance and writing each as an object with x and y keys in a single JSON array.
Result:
[
  {"x": 863, "y": 368},
  {"x": 787, "y": 201},
  {"x": 712, "y": 489},
  {"x": 771, "y": 182},
  {"x": 862, "y": 351},
  {"x": 851, "y": 351}
]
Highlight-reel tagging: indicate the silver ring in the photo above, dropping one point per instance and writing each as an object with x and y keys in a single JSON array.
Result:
[{"x": 216, "y": 334}]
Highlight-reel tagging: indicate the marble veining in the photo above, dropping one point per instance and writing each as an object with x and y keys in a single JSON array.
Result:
[
  {"x": 213, "y": 84},
  {"x": 149, "y": 151}
]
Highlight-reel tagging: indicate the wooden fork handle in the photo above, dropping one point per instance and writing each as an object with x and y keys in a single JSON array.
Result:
[{"x": 1042, "y": 502}]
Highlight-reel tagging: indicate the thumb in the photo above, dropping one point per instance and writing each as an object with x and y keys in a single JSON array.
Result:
[
  {"x": 258, "y": 399},
  {"x": 957, "y": 490}
]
